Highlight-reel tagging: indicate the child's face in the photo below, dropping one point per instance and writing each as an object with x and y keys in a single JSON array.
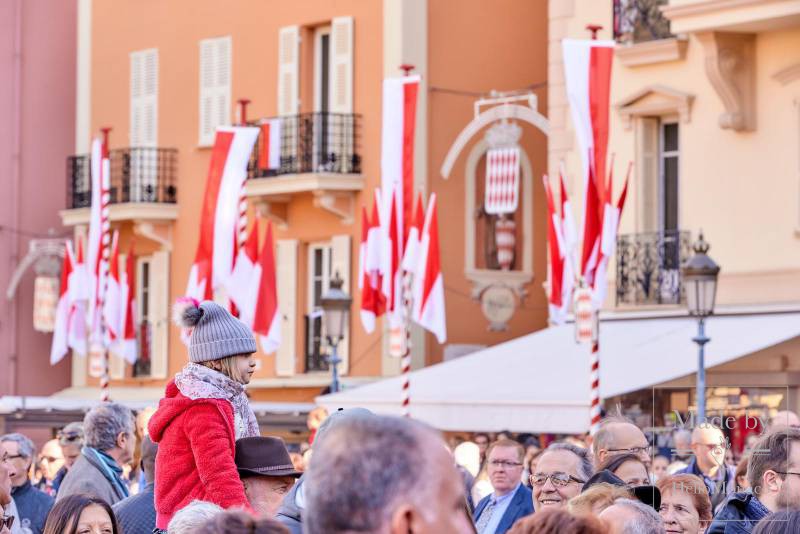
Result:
[{"x": 246, "y": 366}]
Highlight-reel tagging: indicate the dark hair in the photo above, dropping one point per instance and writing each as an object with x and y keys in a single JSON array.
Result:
[
  {"x": 235, "y": 522},
  {"x": 558, "y": 521},
  {"x": 615, "y": 462},
  {"x": 781, "y": 522},
  {"x": 772, "y": 453},
  {"x": 63, "y": 517}
]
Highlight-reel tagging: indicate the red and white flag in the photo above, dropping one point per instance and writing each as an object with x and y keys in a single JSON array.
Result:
[
  {"x": 126, "y": 345},
  {"x": 429, "y": 306},
  {"x": 411, "y": 252},
  {"x": 608, "y": 245},
  {"x": 587, "y": 70},
  {"x": 569, "y": 237},
  {"x": 269, "y": 147},
  {"x": 266, "y": 317},
  {"x": 113, "y": 301},
  {"x": 219, "y": 214},
  {"x": 397, "y": 183},
  {"x": 69, "y": 324},
  {"x": 558, "y": 300},
  {"x": 99, "y": 239},
  {"x": 79, "y": 293},
  {"x": 240, "y": 284}
]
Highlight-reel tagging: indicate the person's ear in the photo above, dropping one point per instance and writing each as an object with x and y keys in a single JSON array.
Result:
[
  {"x": 121, "y": 439},
  {"x": 403, "y": 520}
]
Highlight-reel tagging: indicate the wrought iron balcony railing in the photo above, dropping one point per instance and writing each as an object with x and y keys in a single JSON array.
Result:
[
  {"x": 648, "y": 267},
  {"x": 138, "y": 174},
  {"x": 311, "y": 143},
  {"x": 637, "y": 21}
]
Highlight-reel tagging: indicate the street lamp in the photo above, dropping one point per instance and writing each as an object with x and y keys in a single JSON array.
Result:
[
  {"x": 700, "y": 282},
  {"x": 336, "y": 307}
]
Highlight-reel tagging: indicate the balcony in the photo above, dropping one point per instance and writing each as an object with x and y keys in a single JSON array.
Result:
[
  {"x": 648, "y": 268},
  {"x": 142, "y": 186},
  {"x": 319, "y": 154}
]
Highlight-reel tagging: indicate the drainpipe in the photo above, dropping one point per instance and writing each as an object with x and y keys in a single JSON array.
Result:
[{"x": 16, "y": 165}]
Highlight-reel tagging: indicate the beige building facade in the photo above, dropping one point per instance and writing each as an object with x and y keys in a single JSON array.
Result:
[{"x": 705, "y": 99}]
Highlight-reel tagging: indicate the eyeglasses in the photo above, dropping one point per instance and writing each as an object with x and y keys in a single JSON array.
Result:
[
  {"x": 787, "y": 473},
  {"x": 7, "y": 521},
  {"x": 14, "y": 457},
  {"x": 504, "y": 464},
  {"x": 634, "y": 450},
  {"x": 558, "y": 479}
]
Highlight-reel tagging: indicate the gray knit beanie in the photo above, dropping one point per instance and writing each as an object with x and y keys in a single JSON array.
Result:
[{"x": 215, "y": 333}]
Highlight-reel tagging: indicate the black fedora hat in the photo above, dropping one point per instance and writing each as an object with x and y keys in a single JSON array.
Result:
[
  {"x": 264, "y": 456},
  {"x": 647, "y": 494}
]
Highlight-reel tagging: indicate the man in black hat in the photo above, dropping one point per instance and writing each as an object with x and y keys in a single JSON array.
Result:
[{"x": 267, "y": 473}]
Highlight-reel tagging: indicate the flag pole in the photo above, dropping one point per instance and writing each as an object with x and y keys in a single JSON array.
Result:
[{"x": 105, "y": 199}]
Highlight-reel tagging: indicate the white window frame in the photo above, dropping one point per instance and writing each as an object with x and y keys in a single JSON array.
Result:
[
  {"x": 140, "y": 306},
  {"x": 327, "y": 253}
]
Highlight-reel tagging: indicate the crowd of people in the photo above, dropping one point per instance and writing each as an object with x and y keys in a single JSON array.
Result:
[{"x": 198, "y": 464}]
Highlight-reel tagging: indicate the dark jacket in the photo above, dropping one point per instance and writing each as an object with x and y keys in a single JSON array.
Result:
[
  {"x": 520, "y": 506},
  {"x": 718, "y": 491},
  {"x": 87, "y": 476},
  {"x": 33, "y": 506},
  {"x": 738, "y": 515},
  {"x": 289, "y": 513},
  {"x": 137, "y": 513}
]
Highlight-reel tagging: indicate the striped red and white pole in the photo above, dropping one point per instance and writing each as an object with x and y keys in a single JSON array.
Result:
[
  {"x": 405, "y": 362},
  {"x": 594, "y": 410},
  {"x": 105, "y": 225}
]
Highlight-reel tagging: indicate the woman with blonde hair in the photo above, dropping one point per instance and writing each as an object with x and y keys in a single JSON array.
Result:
[
  {"x": 204, "y": 411},
  {"x": 685, "y": 505},
  {"x": 597, "y": 498}
]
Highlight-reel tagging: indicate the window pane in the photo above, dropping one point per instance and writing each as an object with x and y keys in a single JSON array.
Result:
[
  {"x": 671, "y": 193},
  {"x": 670, "y": 137},
  {"x": 324, "y": 67},
  {"x": 317, "y": 262}
]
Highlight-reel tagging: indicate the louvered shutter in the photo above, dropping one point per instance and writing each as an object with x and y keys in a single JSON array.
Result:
[
  {"x": 340, "y": 263},
  {"x": 135, "y": 132},
  {"x": 149, "y": 98},
  {"x": 159, "y": 307},
  {"x": 648, "y": 151},
  {"x": 288, "y": 70},
  {"x": 287, "y": 305},
  {"x": 342, "y": 65},
  {"x": 215, "y": 86}
]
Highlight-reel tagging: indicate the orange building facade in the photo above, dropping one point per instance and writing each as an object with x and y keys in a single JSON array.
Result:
[{"x": 163, "y": 75}]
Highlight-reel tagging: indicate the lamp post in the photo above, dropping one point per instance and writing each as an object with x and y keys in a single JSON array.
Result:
[
  {"x": 700, "y": 281},
  {"x": 335, "y": 305}
]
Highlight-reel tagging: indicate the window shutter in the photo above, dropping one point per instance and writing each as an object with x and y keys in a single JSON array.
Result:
[
  {"x": 287, "y": 305},
  {"x": 215, "y": 86},
  {"x": 648, "y": 151},
  {"x": 340, "y": 263},
  {"x": 223, "y": 82},
  {"x": 135, "y": 130},
  {"x": 159, "y": 313},
  {"x": 342, "y": 65},
  {"x": 149, "y": 98},
  {"x": 288, "y": 70}
]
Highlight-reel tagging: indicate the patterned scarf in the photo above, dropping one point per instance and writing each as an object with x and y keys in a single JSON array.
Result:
[{"x": 200, "y": 382}]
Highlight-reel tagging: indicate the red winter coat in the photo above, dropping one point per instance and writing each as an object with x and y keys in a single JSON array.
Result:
[{"x": 196, "y": 446}]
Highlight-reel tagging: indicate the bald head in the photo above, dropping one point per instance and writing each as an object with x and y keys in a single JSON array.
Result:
[
  {"x": 709, "y": 446},
  {"x": 617, "y": 435},
  {"x": 784, "y": 418}
]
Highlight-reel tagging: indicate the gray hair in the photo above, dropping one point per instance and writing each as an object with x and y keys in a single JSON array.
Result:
[
  {"x": 103, "y": 423},
  {"x": 647, "y": 519},
  {"x": 192, "y": 517},
  {"x": 363, "y": 470},
  {"x": 24, "y": 444},
  {"x": 585, "y": 466}
]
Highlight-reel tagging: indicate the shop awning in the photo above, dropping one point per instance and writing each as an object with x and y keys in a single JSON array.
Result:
[{"x": 540, "y": 382}]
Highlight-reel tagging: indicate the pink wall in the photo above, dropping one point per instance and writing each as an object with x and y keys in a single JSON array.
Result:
[{"x": 44, "y": 134}]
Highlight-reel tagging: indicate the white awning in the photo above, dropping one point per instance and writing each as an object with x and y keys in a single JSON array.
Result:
[{"x": 540, "y": 382}]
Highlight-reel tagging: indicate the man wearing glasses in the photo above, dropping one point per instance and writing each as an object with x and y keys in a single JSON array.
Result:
[
  {"x": 510, "y": 499},
  {"x": 774, "y": 476},
  {"x": 33, "y": 504},
  {"x": 618, "y": 435},
  {"x": 562, "y": 470},
  {"x": 7, "y": 508},
  {"x": 708, "y": 463}
]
